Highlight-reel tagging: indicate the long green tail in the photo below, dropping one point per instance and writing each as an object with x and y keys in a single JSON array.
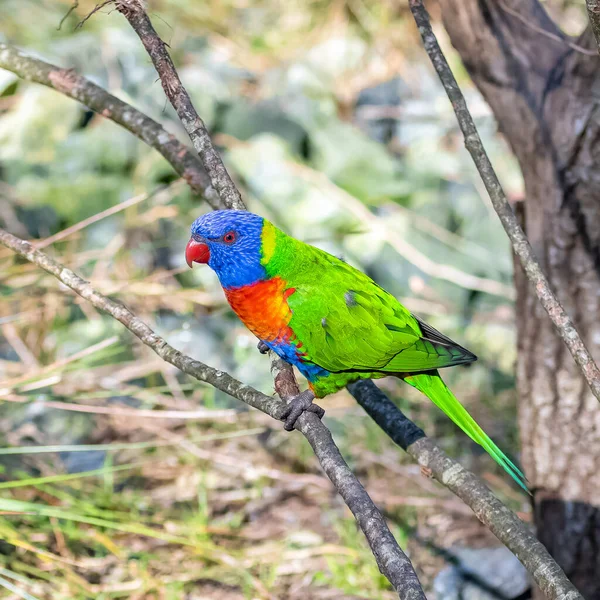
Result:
[{"x": 435, "y": 389}]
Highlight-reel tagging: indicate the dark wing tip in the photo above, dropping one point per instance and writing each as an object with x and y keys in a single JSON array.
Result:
[
  {"x": 469, "y": 356},
  {"x": 461, "y": 355}
]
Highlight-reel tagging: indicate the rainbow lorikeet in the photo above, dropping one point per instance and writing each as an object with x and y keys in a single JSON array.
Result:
[{"x": 334, "y": 323}]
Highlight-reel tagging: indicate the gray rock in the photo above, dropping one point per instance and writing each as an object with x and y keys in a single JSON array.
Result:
[
  {"x": 386, "y": 96},
  {"x": 77, "y": 462},
  {"x": 481, "y": 574}
]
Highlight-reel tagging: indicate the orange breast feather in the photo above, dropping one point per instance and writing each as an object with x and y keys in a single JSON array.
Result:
[{"x": 263, "y": 308}]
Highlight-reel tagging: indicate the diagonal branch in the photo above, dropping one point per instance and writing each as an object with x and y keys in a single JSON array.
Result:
[
  {"x": 499, "y": 519},
  {"x": 562, "y": 322},
  {"x": 555, "y": 36},
  {"x": 134, "y": 12},
  {"x": 69, "y": 83},
  {"x": 392, "y": 561}
]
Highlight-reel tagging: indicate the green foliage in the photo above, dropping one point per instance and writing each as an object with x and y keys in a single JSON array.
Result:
[{"x": 349, "y": 572}]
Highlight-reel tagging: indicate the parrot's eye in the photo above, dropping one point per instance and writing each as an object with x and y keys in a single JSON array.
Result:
[{"x": 230, "y": 237}]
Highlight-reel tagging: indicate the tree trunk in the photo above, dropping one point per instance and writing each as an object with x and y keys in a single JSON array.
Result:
[{"x": 545, "y": 94}]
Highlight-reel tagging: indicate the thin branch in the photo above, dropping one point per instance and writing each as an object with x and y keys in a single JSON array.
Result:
[
  {"x": 134, "y": 12},
  {"x": 69, "y": 83},
  {"x": 74, "y": 6},
  {"x": 499, "y": 519},
  {"x": 593, "y": 9},
  {"x": 113, "y": 210},
  {"x": 224, "y": 415},
  {"x": 442, "y": 271},
  {"x": 96, "y": 9},
  {"x": 521, "y": 246},
  {"x": 392, "y": 561}
]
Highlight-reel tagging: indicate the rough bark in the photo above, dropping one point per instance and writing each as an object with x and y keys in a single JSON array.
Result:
[{"x": 543, "y": 93}]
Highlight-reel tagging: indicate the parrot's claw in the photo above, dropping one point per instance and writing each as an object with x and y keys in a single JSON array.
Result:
[
  {"x": 303, "y": 402},
  {"x": 262, "y": 347}
]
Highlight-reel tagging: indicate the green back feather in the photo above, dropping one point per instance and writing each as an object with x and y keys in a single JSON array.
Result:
[{"x": 345, "y": 321}]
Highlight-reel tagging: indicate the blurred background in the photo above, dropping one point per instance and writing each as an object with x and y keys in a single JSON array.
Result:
[{"x": 122, "y": 478}]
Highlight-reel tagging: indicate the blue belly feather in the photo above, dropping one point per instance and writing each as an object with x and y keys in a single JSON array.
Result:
[{"x": 290, "y": 354}]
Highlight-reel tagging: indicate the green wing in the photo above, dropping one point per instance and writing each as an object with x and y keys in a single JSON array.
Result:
[{"x": 346, "y": 322}]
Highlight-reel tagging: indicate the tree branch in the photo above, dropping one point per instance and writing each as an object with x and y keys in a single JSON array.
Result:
[
  {"x": 134, "y": 12},
  {"x": 392, "y": 561},
  {"x": 383, "y": 544},
  {"x": 69, "y": 83},
  {"x": 554, "y": 34},
  {"x": 499, "y": 519},
  {"x": 593, "y": 9},
  {"x": 564, "y": 325}
]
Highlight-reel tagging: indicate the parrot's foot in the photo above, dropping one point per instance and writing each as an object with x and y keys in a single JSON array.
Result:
[
  {"x": 303, "y": 402},
  {"x": 262, "y": 347}
]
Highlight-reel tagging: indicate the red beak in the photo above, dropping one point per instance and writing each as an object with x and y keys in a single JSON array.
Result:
[{"x": 196, "y": 252}]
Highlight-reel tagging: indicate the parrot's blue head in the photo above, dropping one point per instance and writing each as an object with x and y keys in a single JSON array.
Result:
[{"x": 230, "y": 242}]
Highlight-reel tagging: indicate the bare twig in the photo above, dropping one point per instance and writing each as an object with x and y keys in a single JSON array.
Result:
[
  {"x": 97, "y": 8},
  {"x": 521, "y": 246},
  {"x": 393, "y": 563},
  {"x": 69, "y": 83},
  {"x": 224, "y": 415},
  {"x": 134, "y": 12},
  {"x": 57, "y": 365},
  {"x": 499, "y": 519},
  {"x": 442, "y": 271},
  {"x": 113, "y": 210},
  {"x": 593, "y": 9},
  {"x": 26, "y": 356},
  {"x": 74, "y": 6}
]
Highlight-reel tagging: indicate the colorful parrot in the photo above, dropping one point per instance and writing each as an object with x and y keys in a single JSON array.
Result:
[{"x": 334, "y": 323}]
